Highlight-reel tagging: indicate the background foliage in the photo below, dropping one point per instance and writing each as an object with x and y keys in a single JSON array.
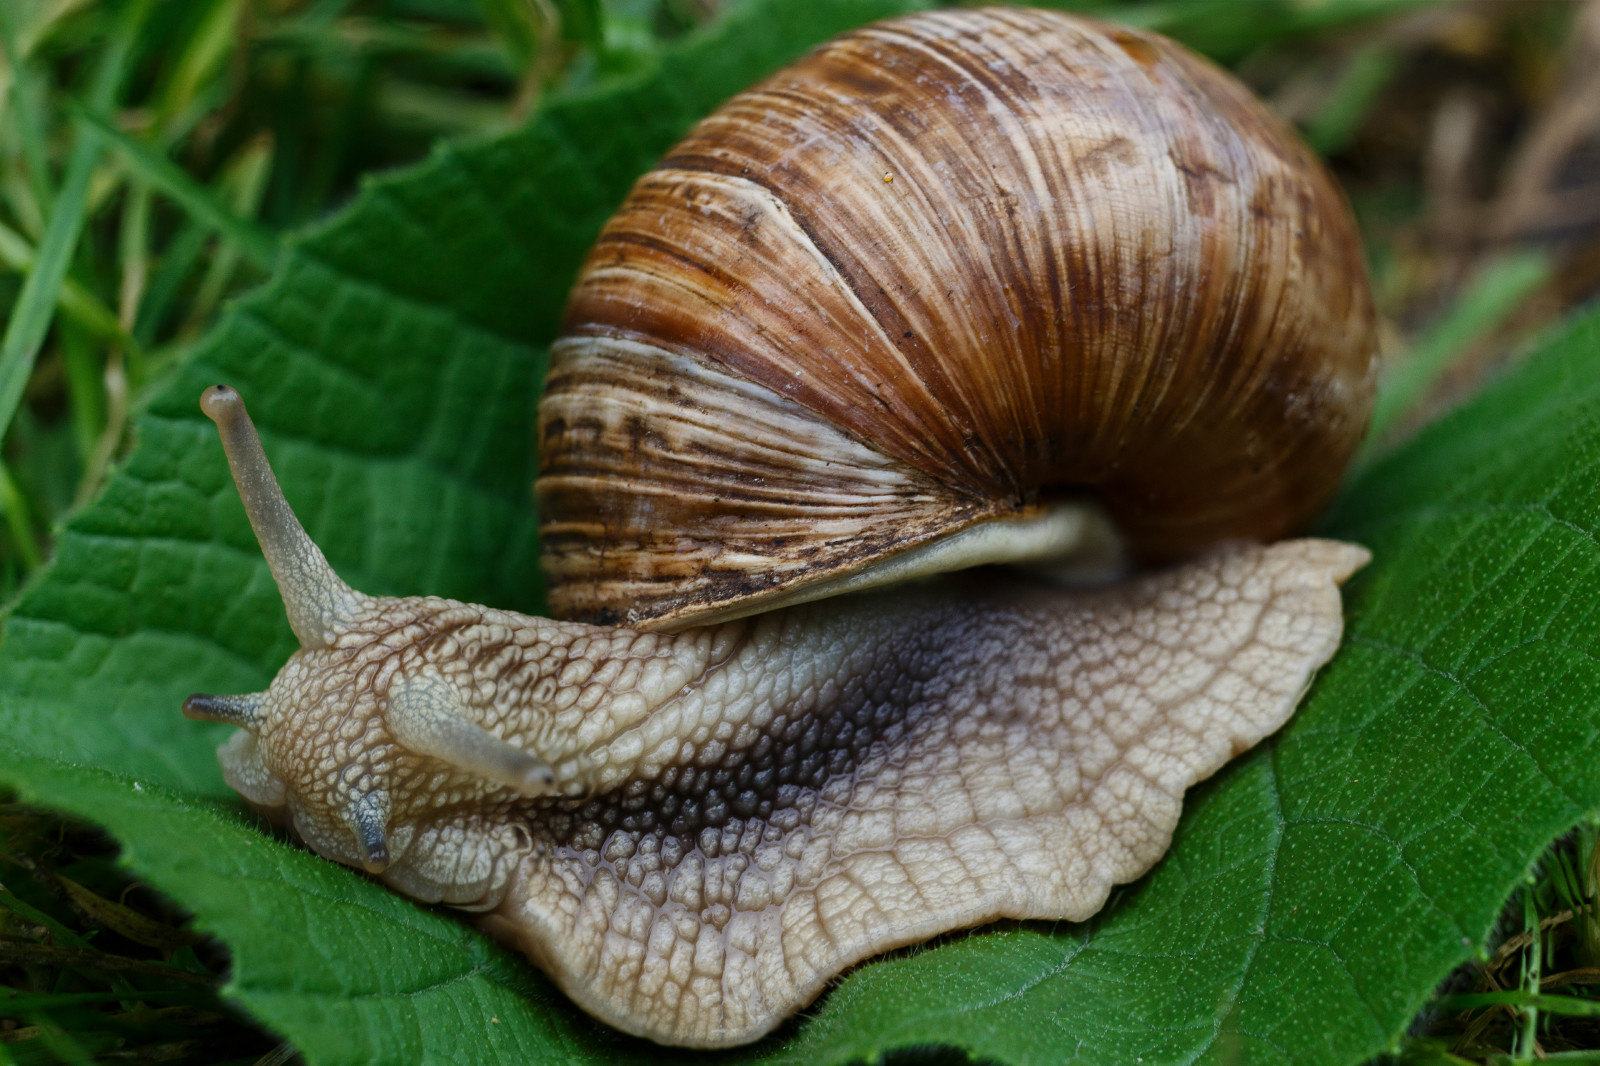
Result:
[{"x": 1320, "y": 888}]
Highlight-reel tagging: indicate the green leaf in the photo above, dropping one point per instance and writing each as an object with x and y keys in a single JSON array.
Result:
[{"x": 1318, "y": 888}]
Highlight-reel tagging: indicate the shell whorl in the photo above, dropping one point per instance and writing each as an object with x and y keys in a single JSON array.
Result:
[{"x": 938, "y": 271}]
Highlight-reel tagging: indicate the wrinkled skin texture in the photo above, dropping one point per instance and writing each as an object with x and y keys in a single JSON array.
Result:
[{"x": 736, "y": 813}]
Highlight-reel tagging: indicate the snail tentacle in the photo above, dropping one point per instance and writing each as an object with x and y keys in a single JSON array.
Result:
[
  {"x": 369, "y": 820},
  {"x": 318, "y": 602},
  {"x": 428, "y": 716},
  {"x": 243, "y": 710}
]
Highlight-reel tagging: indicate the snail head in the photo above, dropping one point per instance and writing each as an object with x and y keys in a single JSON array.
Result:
[{"x": 390, "y": 728}]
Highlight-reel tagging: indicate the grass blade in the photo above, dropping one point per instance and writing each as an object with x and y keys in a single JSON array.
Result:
[
  {"x": 260, "y": 246},
  {"x": 73, "y": 300},
  {"x": 1529, "y": 1001},
  {"x": 18, "y": 519},
  {"x": 36, "y": 303},
  {"x": 1485, "y": 303},
  {"x": 14, "y": 1003},
  {"x": 26, "y": 109},
  {"x": 1348, "y": 103}
]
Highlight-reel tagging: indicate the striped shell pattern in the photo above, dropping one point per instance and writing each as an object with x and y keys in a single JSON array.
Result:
[{"x": 941, "y": 271}]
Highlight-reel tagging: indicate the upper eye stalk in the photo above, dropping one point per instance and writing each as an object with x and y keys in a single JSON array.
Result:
[{"x": 318, "y": 602}]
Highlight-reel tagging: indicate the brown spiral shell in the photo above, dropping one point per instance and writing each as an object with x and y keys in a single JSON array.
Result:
[{"x": 941, "y": 270}]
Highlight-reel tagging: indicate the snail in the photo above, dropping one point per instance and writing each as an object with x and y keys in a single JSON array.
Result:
[{"x": 963, "y": 287}]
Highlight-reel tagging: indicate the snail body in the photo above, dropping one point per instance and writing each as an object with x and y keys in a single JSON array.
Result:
[{"x": 954, "y": 288}]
